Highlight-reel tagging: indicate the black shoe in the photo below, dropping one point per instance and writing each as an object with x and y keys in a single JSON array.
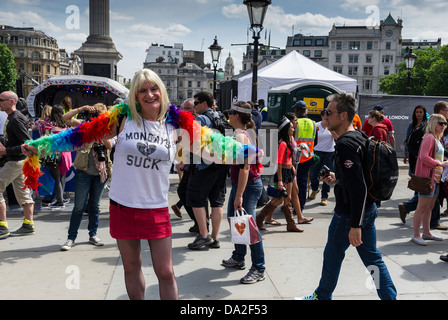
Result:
[
  {"x": 403, "y": 212},
  {"x": 444, "y": 258},
  {"x": 200, "y": 242},
  {"x": 4, "y": 232}
]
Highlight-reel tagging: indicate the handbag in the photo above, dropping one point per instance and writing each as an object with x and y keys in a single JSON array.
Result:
[
  {"x": 420, "y": 184},
  {"x": 272, "y": 190},
  {"x": 243, "y": 228}
]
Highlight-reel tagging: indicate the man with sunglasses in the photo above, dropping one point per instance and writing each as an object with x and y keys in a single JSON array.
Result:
[
  {"x": 354, "y": 217},
  {"x": 16, "y": 133},
  {"x": 207, "y": 182}
]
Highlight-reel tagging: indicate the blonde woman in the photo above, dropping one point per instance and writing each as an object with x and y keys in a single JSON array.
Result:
[
  {"x": 138, "y": 194},
  {"x": 430, "y": 162}
]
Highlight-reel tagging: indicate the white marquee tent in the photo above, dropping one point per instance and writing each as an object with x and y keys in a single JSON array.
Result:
[{"x": 293, "y": 68}]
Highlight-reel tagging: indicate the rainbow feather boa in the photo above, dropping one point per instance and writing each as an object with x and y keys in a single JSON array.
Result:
[{"x": 88, "y": 132}]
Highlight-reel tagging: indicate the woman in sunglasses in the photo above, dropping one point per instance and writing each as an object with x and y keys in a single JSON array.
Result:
[{"x": 430, "y": 163}]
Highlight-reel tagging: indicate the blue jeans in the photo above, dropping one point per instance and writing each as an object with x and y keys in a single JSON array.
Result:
[
  {"x": 334, "y": 254},
  {"x": 87, "y": 187},
  {"x": 250, "y": 198},
  {"x": 326, "y": 158}
]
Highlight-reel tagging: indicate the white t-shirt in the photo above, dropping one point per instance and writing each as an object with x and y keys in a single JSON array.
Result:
[
  {"x": 325, "y": 139},
  {"x": 142, "y": 162}
]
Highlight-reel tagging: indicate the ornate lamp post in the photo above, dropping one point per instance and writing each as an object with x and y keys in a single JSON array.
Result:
[
  {"x": 257, "y": 12},
  {"x": 410, "y": 58},
  {"x": 215, "y": 50}
]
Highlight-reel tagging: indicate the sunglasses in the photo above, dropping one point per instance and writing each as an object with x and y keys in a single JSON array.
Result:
[
  {"x": 328, "y": 113},
  {"x": 443, "y": 123},
  {"x": 196, "y": 103}
]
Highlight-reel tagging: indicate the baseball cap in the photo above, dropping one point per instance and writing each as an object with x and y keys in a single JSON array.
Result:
[
  {"x": 300, "y": 104},
  {"x": 378, "y": 107}
]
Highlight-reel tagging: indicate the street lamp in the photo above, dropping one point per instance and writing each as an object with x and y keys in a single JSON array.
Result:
[
  {"x": 257, "y": 12},
  {"x": 215, "y": 50},
  {"x": 410, "y": 58}
]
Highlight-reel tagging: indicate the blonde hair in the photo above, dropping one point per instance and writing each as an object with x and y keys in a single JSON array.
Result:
[
  {"x": 140, "y": 78},
  {"x": 46, "y": 112},
  {"x": 101, "y": 107},
  {"x": 433, "y": 122}
]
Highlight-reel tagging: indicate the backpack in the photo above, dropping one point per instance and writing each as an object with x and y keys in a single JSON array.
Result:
[
  {"x": 380, "y": 166},
  {"x": 220, "y": 123}
]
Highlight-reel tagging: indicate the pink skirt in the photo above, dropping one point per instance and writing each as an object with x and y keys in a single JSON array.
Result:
[{"x": 132, "y": 223}]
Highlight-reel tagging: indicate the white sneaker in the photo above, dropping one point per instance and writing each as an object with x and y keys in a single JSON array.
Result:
[
  {"x": 67, "y": 245},
  {"x": 96, "y": 241}
]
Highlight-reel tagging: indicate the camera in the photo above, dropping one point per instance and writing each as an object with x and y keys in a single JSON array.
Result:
[
  {"x": 87, "y": 116},
  {"x": 324, "y": 172},
  {"x": 283, "y": 192},
  {"x": 100, "y": 149}
]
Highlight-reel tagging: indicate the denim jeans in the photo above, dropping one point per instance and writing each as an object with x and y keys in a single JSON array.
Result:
[
  {"x": 87, "y": 188},
  {"x": 326, "y": 158},
  {"x": 250, "y": 198},
  {"x": 334, "y": 254}
]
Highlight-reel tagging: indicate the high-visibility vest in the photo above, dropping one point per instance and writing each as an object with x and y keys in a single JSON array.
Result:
[{"x": 306, "y": 133}]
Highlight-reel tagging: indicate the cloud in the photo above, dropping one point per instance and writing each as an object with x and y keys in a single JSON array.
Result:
[
  {"x": 173, "y": 32},
  {"x": 119, "y": 16},
  {"x": 31, "y": 19}
]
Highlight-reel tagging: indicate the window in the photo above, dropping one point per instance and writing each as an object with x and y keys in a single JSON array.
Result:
[
  {"x": 318, "y": 53},
  {"x": 338, "y": 58},
  {"x": 386, "y": 71},
  {"x": 388, "y": 45},
  {"x": 338, "y": 45},
  {"x": 354, "y": 45},
  {"x": 368, "y": 58},
  {"x": 307, "y": 53},
  {"x": 368, "y": 71},
  {"x": 199, "y": 84},
  {"x": 353, "y": 58},
  {"x": 369, "y": 45},
  {"x": 296, "y": 42},
  {"x": 21, "y": 53},
  {"x": 319, "y": 42},
  {"x": 36, "y": 55},
  {"x": 35, "y": 68},
  {"x": 388, "y": 58},
  {"x": 190, "y": 84},
  {"x": 367, "y": 84},
  {"x": 352, "y": 71},
  {"x": 308, "y": 42},
  {"x": 337, "y": 69}
]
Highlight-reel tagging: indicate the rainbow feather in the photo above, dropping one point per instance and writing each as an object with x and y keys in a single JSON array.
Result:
[{"x": 88, "y": 132}]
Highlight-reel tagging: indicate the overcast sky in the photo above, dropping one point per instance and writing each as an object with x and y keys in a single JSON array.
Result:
[{"x": 135, "y": 24}]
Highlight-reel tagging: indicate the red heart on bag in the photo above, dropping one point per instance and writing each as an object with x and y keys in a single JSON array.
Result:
[{"x": 240, "y": 227}]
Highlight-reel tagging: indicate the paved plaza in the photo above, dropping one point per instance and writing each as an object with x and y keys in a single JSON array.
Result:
[{"x": 33, "y": 267}]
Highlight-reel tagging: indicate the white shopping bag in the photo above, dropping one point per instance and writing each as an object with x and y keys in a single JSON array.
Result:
[{"x": 243, "y": 228}]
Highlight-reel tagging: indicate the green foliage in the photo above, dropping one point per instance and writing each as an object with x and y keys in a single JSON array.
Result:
[
  {"x": 429, "y": 76},
  {"x": 8, "y": 73}
]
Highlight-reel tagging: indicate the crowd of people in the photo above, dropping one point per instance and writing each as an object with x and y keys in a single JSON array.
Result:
[{"x": 305, "y": 150}]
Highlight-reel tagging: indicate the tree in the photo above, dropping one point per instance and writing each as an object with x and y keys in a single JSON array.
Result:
[
  {"x": 8, "y": 73},
  {"x": 427, "y": 78}
]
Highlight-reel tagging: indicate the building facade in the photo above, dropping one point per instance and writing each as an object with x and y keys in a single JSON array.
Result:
[
  {"x": 312, "y": 47},
  {"x": 35, "y": 53},
  {"x": 366, "y": 54}
]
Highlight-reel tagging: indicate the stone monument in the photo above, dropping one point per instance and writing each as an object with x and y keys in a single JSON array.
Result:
[{"x": 98, "y": 54}]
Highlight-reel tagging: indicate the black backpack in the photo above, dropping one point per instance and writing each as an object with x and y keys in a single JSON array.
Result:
[
  {"x": 380, "y": 166},
  {"x": 220, "y": 123}
]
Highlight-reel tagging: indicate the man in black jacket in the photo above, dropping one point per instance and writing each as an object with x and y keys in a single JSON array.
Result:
[
  {"x": 16, "y": 133},
  {"x": 354, "y": 217}
]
